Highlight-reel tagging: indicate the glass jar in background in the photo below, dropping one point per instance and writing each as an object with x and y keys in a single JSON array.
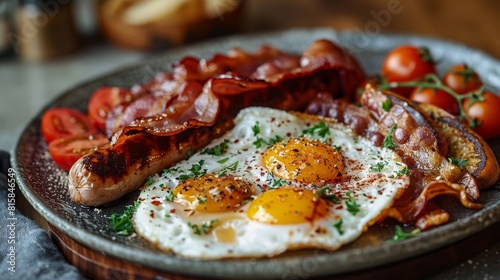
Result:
[
  {"x": 5, "y": 28},
  {"x": 44, "y": 29}
]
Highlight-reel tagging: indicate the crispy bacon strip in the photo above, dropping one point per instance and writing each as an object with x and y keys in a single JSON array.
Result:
[
  {"x": 198, "y": 84},
  {"x": 431, "y": 174}
]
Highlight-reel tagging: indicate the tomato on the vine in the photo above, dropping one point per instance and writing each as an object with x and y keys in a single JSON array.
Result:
[
  {"x": 486, "y": 115},
  {"x": 407, "y": 63},
  {"x": 66, "y": 151},
  {"x": 436, "y": 97},
  {"x": 103, "y": 100},
  {"x": 462, "y": 79},
  {"x": 65, "y": 122}
]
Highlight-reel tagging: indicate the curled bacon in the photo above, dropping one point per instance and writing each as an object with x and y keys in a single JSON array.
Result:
[
  {"x": 431, "y": 174},
  {"x": 198, "y": 90}
]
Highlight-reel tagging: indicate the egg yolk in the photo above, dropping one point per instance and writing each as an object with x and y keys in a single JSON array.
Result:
[
  {"x": 210, "y": 193},
  {"x": 285, "y": 206},
  {"x": 303, "y": 160}
]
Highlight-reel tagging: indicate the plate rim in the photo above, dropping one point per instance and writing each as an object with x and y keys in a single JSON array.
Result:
[{"x": 122, "y": 251}]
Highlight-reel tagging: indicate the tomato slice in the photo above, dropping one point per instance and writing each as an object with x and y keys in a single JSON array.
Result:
[
  {"x": 65, "y": 122},
  {"x": 103, "y": 101},
  {"x": 66, "y": 151}
]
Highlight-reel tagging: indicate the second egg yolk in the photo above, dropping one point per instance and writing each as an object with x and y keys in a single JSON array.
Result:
[
  {"x": 210, "y": 193},
  {"x": 303, "y": 160},
  {"x": 284, "y": 206}
]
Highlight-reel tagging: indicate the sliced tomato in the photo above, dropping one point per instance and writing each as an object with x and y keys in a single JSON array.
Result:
[
  {"x": 103, "y": 100},
  {"x": 65, "y": 122},
  {"x": 66, "y": 151}
]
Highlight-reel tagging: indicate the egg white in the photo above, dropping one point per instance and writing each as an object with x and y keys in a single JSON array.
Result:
[{"x": 169, "y": 225}]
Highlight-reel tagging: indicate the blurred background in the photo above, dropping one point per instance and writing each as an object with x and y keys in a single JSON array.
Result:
[{"x": 48, "y": 46}]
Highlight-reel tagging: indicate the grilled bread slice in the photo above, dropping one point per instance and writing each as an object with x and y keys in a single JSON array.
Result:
[{"x": 465, "y": 144}]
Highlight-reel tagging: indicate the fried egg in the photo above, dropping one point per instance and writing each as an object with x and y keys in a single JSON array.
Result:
[{"x": 277, "y": 181}]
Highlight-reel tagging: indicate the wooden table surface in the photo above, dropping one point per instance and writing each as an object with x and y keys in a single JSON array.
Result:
[{"x": 474, "y": 23}]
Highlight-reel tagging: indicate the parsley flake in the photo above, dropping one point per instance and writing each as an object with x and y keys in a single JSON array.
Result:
[
  {"x": 194, "y": 171},
  {"x": 150, "y": 181},
  {"x": 330, "y": 197},
  {"x": 169, "y": 171},
  {"x": 351, "y": 205},
  {"x": 169, "y": 196},
  {"x": 388, "y": 140},
  {"x": 122, "y": 222},
  {"x": 338, "y": 148},
  {"x": 404, "y": 171},
  {"x": 379, "y": 166},
  {"x": 401, "y": 235},
  {"x": 387, "y": 104},
  {"x": 260, "y": 141},
  {"x": 256, "y": 129},
  {"x": 216, "y": 150},
  {"x": 320, "y": 129},
  {"x": 205, "y": 227},
  {"x": 223, "y": 160},
  {"x": 338, "y": 226},
  {"x": 202, "y": 200},
  {"x": 458, "y": 161}
]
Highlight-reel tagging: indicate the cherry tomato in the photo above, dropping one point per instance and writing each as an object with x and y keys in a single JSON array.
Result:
[
  {"x": 66, "y": 151},
  {"x": 487, "y": 115},
  {"x": 65, "y": 122},
  {"x": 103, "y": 100},
  {"x": 437, "y": 97},
  {"x": 462, "y": 79},
  {"x": 406, "y": 63}
]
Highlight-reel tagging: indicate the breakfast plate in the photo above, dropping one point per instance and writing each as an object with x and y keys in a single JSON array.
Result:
[{"x": 45, "y": 185}]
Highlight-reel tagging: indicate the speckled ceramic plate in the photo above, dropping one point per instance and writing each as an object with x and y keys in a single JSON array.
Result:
[{"x": 44, "y": 185}]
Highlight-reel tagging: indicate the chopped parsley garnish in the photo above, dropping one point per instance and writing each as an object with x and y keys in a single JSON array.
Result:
[
  {"x": 351, "y": 205},
  {"x": 231, "y": 167},
  {"x": 150, "y": 181},
  {"x": 401, "y": 235},
  {"x": 205, "y": 227},
  {"x": 216, "y": 150},
  {"x": 170, "y": 196},
  {"x": 404, "y": 171},
  {"x": 338, "y": 148},
  {"x": 330, "y": 197},
  {"x": 387, "y": 105},
  {"x": 202, "y": 200},
  {"x": 223, "y": 160},
  {"x": 388, "y": 141},
  {"x": 256, "y": 129},
  {"x": 122, "y": 223},
  {"x": 260, "y": 141},
  {"x": 458, "y": 161},
  {"x": 320, "y": 129},
  {"x": 275, "y": 182},
  {"x": 379, "y": 166},
  {"x": 338, "y": 226},
  {"x": 167, "y": 216},
  {"x": 194, "y": 171},
  {"x": 170, "y": 170},
  {"x": 279, "y": 183}
]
